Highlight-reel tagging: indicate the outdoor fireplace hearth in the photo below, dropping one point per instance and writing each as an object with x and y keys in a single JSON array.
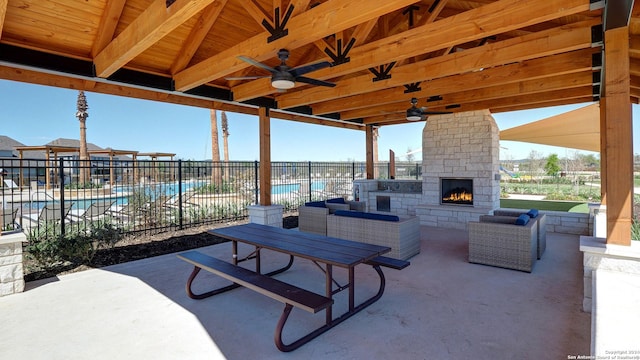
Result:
[{"x": 456, "y": 191}]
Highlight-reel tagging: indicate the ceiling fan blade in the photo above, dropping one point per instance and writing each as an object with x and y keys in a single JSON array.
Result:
[
  {"x": 257, "y": 63},
  {"x": 311, "y": 81},
  {"x": 247, "y": 77},
  {"x": 304, "y": 69}
]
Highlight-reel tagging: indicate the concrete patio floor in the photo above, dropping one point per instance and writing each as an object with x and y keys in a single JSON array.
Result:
[{"x": 441, "y": 307}]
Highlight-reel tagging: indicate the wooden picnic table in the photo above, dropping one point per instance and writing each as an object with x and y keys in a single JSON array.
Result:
[{"x": 326, "y": 252}]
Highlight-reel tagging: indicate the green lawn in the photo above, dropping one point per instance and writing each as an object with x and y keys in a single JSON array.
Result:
[{"x": 569, "y": 206}]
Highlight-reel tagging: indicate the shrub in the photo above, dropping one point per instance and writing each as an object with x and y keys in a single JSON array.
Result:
[{"x": 78, "y": 245}]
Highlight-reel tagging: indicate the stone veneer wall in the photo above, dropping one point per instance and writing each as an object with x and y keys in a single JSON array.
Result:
[{"x": 461, "y": 145}]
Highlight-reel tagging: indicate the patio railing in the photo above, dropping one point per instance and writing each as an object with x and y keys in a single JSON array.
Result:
[{"x": 155, "y": 196}]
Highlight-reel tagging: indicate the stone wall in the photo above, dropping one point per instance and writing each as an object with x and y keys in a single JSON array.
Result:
[{"x": 461, "y": 145}]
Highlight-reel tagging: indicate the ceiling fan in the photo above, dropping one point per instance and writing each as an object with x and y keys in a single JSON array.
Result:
[
  {"x": 415, "y": 113},
  {"x": 284, "y": 77}
]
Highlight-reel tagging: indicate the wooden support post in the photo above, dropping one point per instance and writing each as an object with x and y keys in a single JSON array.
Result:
[
  {"x": 265, "y": 157},
  {"x": 603, "y": 152},
  {"x": 369, "y": 147},
  {"x": 392, "y": 164},
  {"x": 618, "y": 137}
]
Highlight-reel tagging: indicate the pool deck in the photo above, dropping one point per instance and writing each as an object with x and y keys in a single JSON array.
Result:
[{"x": 440, "y": 307}]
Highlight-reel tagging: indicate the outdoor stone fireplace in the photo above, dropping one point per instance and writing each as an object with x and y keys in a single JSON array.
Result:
[{"x": 464, "y": 150}]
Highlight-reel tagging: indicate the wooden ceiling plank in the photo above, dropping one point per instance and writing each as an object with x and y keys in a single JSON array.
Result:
[
  {"x": 3, "y": 12},
  {"x": 108, "y": 23},
  {"x": 363, "y": 30},
  {"x": 433, "y": 15},
  {"x": 152, "y": 25},
  {"x": 634, "y": 45},
  {"x": 204, "y": 24},
  {"x": 299, "y": 6},
  {"x": 495, "y": 54},
  {"x": 256, "y": 11},
  {"x": 490, "y": 19},
  {"x": 318, "y": 22},
  {"x": 634, "y": 66},
  {"x": 565, "y": 63}
]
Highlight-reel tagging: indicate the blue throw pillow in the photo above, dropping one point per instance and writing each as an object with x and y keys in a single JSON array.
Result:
[
  {"x": 366, "y": 215},
  {"x": 319, "y": 204},
  {"x": 533, "y": 213},
  {"x": 336, "y": 201},
  {"x": 522, "y": 219}
]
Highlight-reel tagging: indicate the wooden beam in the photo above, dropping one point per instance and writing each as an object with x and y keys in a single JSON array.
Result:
[
  {"x": 107, "y": 27},
  {"x": 3, "y": 11},
  {"x": 205, "y": 22},
  {"x": 540, "y": 68},
  {"x": 152, "y": 25},
  {"x": 265, "y": 157},
  {"x": 369, "y": 151},
  {"x": 487, "y": 20},
  {"x": 60, "y": 81},
  {"x": 618, "y": 137},
  {"x": 545, "y": 43},
  {"x": 574, "y": 95},
  {"x": 323, "y": 20}
]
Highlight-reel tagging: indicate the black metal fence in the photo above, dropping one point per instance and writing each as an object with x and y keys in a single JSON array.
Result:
[{"x": 155, "y": 196}]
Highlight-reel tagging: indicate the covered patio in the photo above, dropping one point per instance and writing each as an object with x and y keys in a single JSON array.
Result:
[
  {"x": 440, "y": 307},
  {"x": 366, "y": 60}
]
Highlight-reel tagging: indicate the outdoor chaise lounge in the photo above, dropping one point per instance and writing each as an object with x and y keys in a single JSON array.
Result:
[
  {"x": 504, "y": 241},
  {"x": 312, "y": 216},
  {"x": 537, "y": 217},
  {"x": 50, "y": 213},
  {"x": 95, "y": 211},
  {"x": 400, "y": 233}
]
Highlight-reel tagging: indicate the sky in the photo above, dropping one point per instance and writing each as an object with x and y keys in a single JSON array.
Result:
[{"x": 36, "y": 115}]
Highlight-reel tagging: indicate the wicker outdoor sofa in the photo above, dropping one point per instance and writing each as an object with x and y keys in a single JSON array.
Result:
[
  {"x": 537, "y": 217},
  {"x": 498, "y": 241},
  {"x": 312, "y": 216},
  {"x": 400, "y": 233}
]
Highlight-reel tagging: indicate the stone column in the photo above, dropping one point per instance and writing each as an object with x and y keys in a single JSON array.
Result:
[
  {"x": 11, "y": 272},
  {"x": 266, "y": 215}
]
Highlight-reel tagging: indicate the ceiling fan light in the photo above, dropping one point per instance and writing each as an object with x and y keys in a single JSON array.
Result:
[
  {"x": 283, "y": 84},
  {"x": 414, "y": 114}
]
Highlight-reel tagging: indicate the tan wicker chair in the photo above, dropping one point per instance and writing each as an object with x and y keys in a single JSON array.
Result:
[
  {"x": 541, "y": 221},
  {"x": 314, "y": 219},
  {"x": 403, "y": 237},
  {"x": 497, "y": 241}
]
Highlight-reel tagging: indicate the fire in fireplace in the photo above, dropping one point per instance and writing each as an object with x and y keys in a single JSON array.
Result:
[{"x": 457, "y": 191}]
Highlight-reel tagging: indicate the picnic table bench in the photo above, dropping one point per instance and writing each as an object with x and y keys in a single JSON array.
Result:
[{"x": 317, "y": 248}]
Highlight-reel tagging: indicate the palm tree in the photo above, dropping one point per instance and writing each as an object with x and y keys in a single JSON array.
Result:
[
  {"x": 225, "y": 135},
  {"x": 216, "y": 178},
  {"x": 82, "y": 116}
]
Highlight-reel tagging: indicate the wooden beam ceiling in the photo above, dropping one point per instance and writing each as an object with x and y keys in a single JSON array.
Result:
[
  {"x": 318, "y": 22},
  {"x": 501, "y": 54}
]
